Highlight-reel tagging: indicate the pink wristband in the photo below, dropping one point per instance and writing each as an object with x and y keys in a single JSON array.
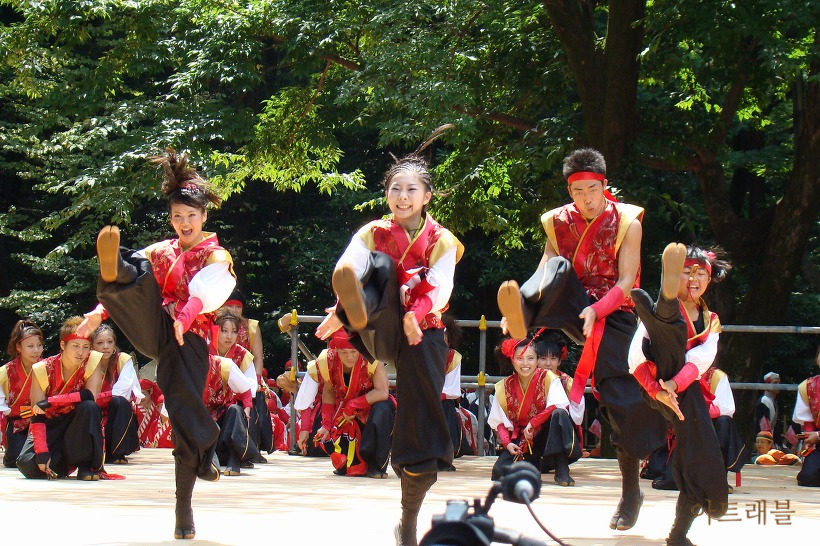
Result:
[
  {"x": 610, "y": 303},
  {"x": 192, "y": 309},
  {"x": 685, "y": 377}
]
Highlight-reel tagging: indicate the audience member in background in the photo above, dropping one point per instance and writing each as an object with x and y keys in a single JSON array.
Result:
[{"x": 766, "y": 413}]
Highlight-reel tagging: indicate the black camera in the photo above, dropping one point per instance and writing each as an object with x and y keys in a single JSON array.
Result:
[{"x": 461, "y": 526}]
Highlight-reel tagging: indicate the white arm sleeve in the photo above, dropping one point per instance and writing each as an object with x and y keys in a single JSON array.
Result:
[
  {"x": 237, "y": 381},
  {"x": 440, "y": 276},
  {"x": 307, "y": 393},
  {"x": 703, "y": 355},
  {"x": 724, "y": 399},
  {"x": 128, "y": 383},
  {"x": 356, "y": 254},
  {"x": 498, "y": 417},
  {"x": 557, "y": 396},
  {"x": 4, "y": 407},
  {"x": 212, "y": 285},
  {"x": 452, "y": 384},
  {"x": 802, "y": 413},
  {"x": 576, "y": 411},
  {"x": 636, "y": 356}
]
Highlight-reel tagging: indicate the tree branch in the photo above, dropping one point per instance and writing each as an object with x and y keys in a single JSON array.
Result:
[{"x": 505, "y": 119}]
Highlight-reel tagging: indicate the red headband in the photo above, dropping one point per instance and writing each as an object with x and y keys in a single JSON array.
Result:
[
  {"x": 339, "y": 340},
  {"x": 585, "y": 175},
  {"x": 74, "y": 335},
  {"x": 691, "y": 262},
  {"x": 237, "y": 303},
  {"x": 508, "y": 347}
]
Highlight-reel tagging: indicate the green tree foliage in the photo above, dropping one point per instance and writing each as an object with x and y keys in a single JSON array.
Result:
[{"x": 707, "y": 111}]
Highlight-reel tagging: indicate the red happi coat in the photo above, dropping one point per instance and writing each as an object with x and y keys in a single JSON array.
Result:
[
  {"x": 174, "y": 270},
  {"x": 112, "y": 373},
  {"x": 413, "y": 258},
  {"x": 519, "y": 406},
  {"x": 361, "y": 380},
  {"x": 247, "y": 332},
  {"x": 711, "y": 325},
  {"x": 218, "y": 395},
  {"x": 17, "y": 384},
  {"x": 592, "y": 248},
  {"x": 49, "y": 374},
  {"x": 153, "y": 430},
  {"x": 812, "y": 397}
]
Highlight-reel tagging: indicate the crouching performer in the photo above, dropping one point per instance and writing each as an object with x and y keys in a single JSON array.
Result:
[
  {"x": 357, "y": 413},
  {"x": 530, "y": 415}
]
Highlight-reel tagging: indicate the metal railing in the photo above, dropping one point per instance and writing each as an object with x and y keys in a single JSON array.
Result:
[{"x": 482, "y": 381}]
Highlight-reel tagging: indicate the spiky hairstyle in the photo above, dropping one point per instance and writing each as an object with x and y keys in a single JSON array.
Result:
[{"x": 182, "y": 183}]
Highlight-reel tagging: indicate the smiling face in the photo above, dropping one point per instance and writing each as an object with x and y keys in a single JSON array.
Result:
[
  {"x": 406, "y": 197},
  {"x": 549, "y": 362},
  {"x": 693, "y": 283},
  {"x": 30, "y": 350},
  {"x": 104, "y": 343},
  {"x": 187, "y": 222},
  {"x": 588, "y": 196},
  {"x": 525, "y": 362},
  {"x": 227, "y": 336}
]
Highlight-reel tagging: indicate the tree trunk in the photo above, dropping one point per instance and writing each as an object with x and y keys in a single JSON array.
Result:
[{"x": 607, "y": 79}]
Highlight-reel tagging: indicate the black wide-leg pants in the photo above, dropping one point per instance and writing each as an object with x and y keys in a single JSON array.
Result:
[
  {"x": 421, "y": 440},
  {"x": 137, "y": 310},
  {"x": 557, "y": 438},
  {"x": 553, "y": 298},
  {"x": 697, "y": 462},
  {"x": 74, "y": 440},
  {"x": 121, "y": 436}
]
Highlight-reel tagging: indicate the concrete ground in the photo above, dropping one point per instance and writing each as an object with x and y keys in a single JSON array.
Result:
[{"x": 295, "y": 500}]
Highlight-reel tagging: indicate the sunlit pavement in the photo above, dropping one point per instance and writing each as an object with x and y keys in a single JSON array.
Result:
[{"x": 295, "y": 500}]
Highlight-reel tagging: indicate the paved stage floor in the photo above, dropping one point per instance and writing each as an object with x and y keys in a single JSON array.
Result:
[{"x": 296, "y": 500}]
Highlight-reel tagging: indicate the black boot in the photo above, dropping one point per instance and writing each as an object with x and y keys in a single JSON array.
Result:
[
  {"x": 685, "y": 513},
  {"x": 185, "y": 479},
  {"x": 562, "y": 476},
  {"x": 626, "y": 514},
  {"x": 413, "y": 490}
]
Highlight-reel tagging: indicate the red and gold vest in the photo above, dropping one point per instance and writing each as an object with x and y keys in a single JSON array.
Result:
[
  {"x": 49, "y": 374},
  {"x": 711, "y": 325},
  {"x": 17, "y": 385},
  {"x": 331, "y": 370},
  {"x": 217, "y": 394},
  {"x": 412, "y": 258},
  {"x": 248, "y": 330},
  {"x": 112, "y": 372},
  {"x": 813, "y": 395},
  {"x": 519, "y": 406},
  {"x": 592, "y": 248},
  {"x": 174, "y": 270}
]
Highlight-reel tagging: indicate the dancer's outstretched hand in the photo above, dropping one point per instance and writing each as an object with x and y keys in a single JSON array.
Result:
[
  {"x": 329, "y": 325},
  {"x": 668, "y": 397},
  {"x": 91, "y": 321}
]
